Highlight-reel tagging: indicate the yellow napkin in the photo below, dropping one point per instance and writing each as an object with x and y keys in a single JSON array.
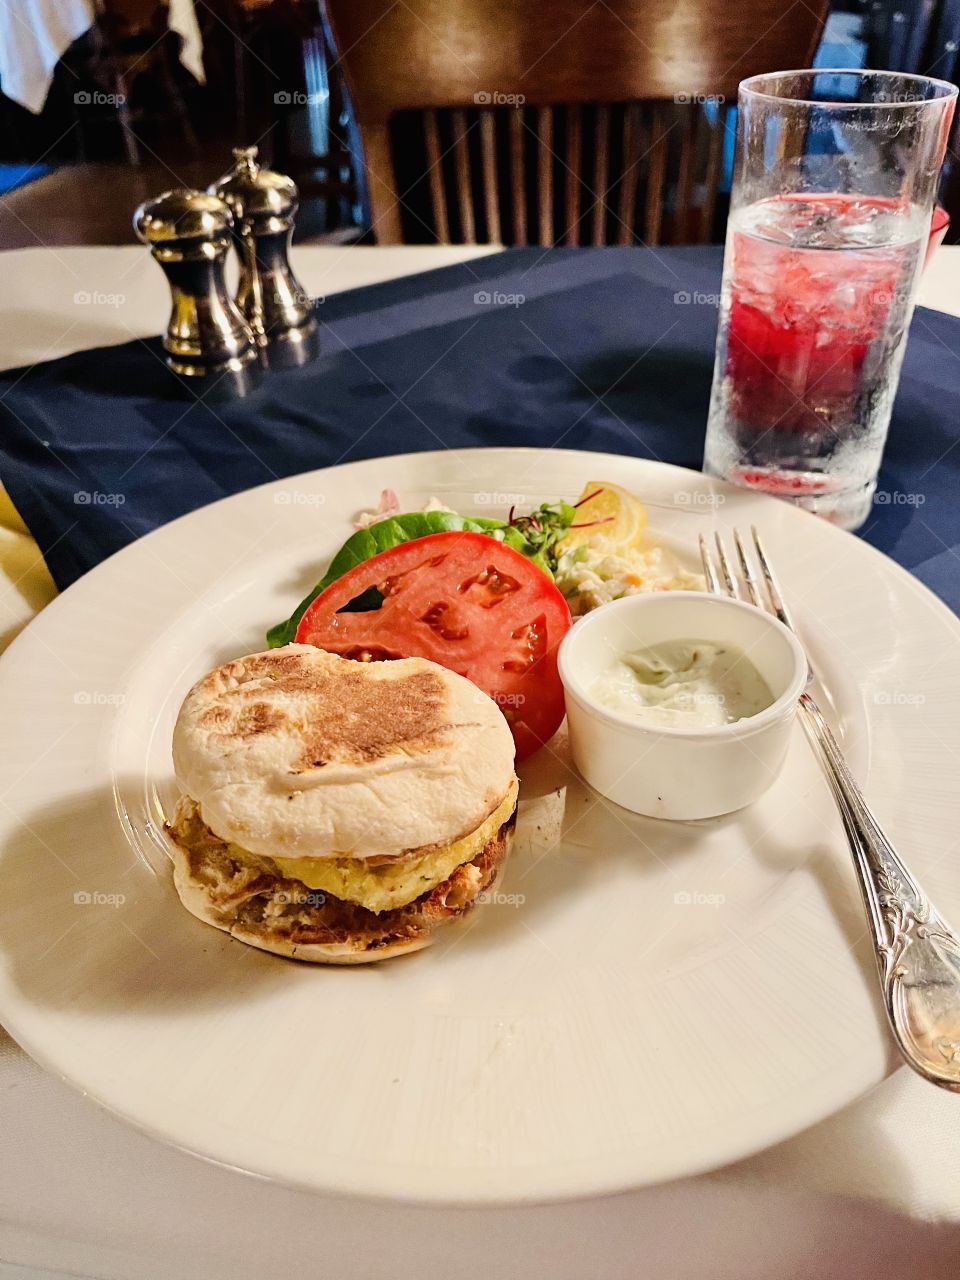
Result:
[{"x": 25, "y": 582}]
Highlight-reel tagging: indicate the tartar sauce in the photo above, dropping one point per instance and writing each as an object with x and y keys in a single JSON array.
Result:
[{"x": 683, "y": 684}]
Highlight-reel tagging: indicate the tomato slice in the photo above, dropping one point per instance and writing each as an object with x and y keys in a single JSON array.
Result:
[{"x": 465, "y": 601}]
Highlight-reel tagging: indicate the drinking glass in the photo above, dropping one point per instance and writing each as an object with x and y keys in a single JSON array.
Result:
[{"x": 835, "y": 179}]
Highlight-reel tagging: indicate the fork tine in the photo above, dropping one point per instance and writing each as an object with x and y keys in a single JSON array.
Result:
[
  {"x": 729, "y": 582},
  {"x": 773, "y": 588},
  {"x": 709, "y": 568},
  {"x": 749, "y": 577}
]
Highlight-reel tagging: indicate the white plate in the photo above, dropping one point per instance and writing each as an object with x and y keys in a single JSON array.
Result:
[{"x": 645, "y": 1001}]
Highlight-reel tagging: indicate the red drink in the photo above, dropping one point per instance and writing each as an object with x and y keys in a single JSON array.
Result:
[
  {"x": 819, "y": 280},
  {"x": 816, "y": 305}
]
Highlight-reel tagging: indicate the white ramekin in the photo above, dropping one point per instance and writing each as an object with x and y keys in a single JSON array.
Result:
[{"x": 679, "y": 773}]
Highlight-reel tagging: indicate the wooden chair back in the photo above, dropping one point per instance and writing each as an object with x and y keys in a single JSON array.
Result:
[{"x": 525, "y": 122}]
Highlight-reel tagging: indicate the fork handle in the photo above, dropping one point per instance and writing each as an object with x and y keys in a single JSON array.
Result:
[{"x": 918, "y": 954}]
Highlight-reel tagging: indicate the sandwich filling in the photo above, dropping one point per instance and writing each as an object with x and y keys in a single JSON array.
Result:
[
  {"x": 378, "y": 884},
  {"x": 283, "y": 915}
]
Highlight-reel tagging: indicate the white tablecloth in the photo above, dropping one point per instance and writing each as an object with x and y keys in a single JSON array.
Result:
[
  {"x": 83, "y": 1193},
  {"x": 34, "y": 35}
]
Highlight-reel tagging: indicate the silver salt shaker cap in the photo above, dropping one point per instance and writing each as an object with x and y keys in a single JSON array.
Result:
[
  {"x": 182, "y": 216},
  {"x": 257, "y": 196}
]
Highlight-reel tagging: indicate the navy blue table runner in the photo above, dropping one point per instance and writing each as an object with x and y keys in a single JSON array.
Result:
[{"x": 608, "y": 349}]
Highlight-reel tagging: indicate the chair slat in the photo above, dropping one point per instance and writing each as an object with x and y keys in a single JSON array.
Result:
[
  {"x": 630, "y": 152},
  {"x": 438, "y": 193},
  {"x": 545, "y": 173},
  {"x": 669, "y": 158},
  {"x": 518, "y": 190},
  {"x": 491, "y": 189},
  {"x": 689, "y": 138},
  {"x": 711, "y": 178},
  {"x": 601, "y": 172},
  {"x": 461, "y": 168},
  {"x": 656, "y": 173},
  {"x": 572, "y": 178}
]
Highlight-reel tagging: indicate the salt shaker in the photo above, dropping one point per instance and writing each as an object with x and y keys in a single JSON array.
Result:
[
  {"x": 264, "y": 205},
  {"x": 189, "y": 235}
]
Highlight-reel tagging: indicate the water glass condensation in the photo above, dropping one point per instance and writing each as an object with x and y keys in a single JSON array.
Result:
[{"x": 835, "y": 180}]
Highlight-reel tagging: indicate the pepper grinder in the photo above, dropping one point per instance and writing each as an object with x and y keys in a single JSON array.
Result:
[
  {"x": 207, "y": 338},
  {"x": 278, "y": 310}
]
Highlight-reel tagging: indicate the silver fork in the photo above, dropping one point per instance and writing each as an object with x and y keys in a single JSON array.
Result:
[{"x": 918, "y": 954}]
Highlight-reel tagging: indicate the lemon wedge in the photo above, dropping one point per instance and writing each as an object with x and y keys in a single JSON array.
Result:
[{"x": 609, "y": 517}]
